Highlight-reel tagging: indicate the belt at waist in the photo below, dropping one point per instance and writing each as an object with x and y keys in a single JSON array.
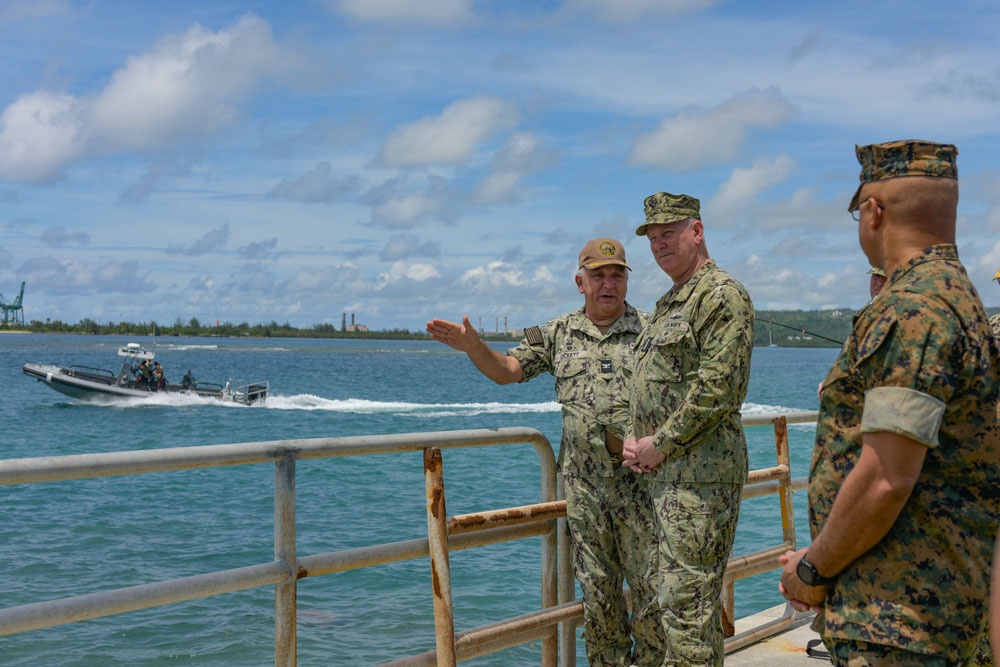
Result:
[{"x": 613, "y": 443}]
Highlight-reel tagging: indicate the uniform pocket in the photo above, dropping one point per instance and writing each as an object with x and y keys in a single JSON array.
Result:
[{"x": 570, "y": 371}]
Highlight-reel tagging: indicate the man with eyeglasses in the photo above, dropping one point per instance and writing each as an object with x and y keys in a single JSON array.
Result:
[{"x": 903, "y": 502}]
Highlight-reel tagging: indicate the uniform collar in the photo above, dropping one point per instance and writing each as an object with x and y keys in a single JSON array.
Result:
[
  {"x": 628, "y": 322},
  {"x": 682, "y": 292},
  {"x": 939, "y": 252}
]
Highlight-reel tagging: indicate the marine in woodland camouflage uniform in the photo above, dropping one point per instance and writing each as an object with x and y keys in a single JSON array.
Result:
[
  {"x": 607, "y": 506},
  {"x": 690, "y": 377},
  {"x": 914, "y": 391}
]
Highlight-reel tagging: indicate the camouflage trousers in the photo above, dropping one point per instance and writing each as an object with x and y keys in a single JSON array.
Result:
[
  {"x": 695, "y": 529},
  {"x": 611, "y": 526},
  {"x": 849, "y": 653}
]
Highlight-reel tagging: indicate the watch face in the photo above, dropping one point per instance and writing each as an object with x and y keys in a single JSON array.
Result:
[{"x": 806, "y": 573}]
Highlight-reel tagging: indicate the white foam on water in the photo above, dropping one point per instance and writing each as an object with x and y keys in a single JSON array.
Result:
[{"x": 364, "y": 406}]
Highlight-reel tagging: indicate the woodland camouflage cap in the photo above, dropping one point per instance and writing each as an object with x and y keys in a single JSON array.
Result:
[
  {"x": 910, "y": 157},
  {"x": 664, "y": 208}
]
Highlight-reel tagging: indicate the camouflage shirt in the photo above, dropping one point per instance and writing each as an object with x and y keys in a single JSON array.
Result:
[
  {"x": 592, "y": 372},
  {"x": 995, "y": 324},
  {"x": 690, "y": 377},
  {"x": 921, "y": 362}
]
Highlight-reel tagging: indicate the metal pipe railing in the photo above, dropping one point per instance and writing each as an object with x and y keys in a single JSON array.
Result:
[
  {"x": 286, "y": 568},
  {"x": 554, "y": 623}
]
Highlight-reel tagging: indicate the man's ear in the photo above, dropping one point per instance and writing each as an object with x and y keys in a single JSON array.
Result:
[
  {"x": 877, "y": 217},
  {"x": 579, "y": 283}
]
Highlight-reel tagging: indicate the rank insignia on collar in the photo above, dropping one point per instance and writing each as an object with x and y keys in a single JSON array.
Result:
[{"x": 607, "y": 366}]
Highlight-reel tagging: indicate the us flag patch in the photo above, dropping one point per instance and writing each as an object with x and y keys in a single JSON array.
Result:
[{"x": 533, "y": 335}]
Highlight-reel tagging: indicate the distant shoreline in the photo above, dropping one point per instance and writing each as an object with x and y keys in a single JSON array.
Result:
[{"x": 371, "y": 335}]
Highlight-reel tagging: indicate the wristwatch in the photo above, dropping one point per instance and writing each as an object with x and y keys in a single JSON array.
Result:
[{"x": 809, "y": 576}]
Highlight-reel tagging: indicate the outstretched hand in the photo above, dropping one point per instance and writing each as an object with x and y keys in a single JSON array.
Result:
[{"x": 462, "y": 336}]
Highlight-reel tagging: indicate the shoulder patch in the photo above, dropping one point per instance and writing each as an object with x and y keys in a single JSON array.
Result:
[{"x": 533, "y": 335}]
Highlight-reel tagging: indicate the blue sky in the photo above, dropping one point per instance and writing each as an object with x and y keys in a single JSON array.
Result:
[{"x": 399, "y": 160}]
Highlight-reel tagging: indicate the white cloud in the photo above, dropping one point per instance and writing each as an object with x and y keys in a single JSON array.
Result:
[
  {"x": 690, "y": 140},
  {"x": 58, "y": 276},
  {"x": 427, "y": 12},
  {"x": 318, "y": 185},
  {"x": 989, "y": 262},
  {"x": 401, "y": 246},
  {"x": 39, "y": 134},
  {"x": 451, "y": 137},
  {"x": 494, "y": 274},
  {"x": 745, "y": 183},
  {"x": 405, "y": 210},
  {"x": 398, "y": 204},
  {"x": 210, "y": 241},
  {"x": 187, "y": 86},
  {"x": 56, "y": 236},
  {"x": 524, "y": 153},
  {"x": 404, "y": 272}
]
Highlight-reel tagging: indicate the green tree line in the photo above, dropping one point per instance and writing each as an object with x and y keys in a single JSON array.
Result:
[{"x": 781, "y": 328}]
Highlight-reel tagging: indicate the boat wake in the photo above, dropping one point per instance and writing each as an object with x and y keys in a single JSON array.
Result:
[
  {"x": 311, "y": 402},
  {"x": 164, "y": 399},
  {"x": 363, "y": 406}
]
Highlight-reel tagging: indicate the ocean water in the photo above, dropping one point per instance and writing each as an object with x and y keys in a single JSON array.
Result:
[{"x": 68, "y": 538}]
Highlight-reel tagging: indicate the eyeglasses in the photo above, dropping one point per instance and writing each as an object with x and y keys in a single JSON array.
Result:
[{"x": 856, "y": 213}]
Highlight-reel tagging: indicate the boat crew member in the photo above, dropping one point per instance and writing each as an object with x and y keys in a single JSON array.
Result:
[
  {"x": 159, "y": 380},
  {"x": 689, "y": 380},
  {"x": 145, "y": 375},
  {"x": 589, "y": 351},
  {"x": 903, "y": 503}
]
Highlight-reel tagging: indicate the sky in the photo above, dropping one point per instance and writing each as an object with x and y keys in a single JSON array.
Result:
[{"x": 392, "y": 161}]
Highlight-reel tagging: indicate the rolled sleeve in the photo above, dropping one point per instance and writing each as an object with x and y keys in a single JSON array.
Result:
[{"x": 903, "y": 411}]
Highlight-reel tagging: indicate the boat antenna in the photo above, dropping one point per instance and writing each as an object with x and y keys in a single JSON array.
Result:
[{"x": 809, "y": 333}]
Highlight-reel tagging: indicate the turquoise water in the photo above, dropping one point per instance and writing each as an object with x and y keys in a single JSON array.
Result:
[{"x": 67, "y": 538}]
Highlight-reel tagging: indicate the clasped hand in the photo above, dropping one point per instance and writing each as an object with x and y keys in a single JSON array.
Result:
[
  {"x": 798, "y": 594},
  {"x": 641, "y": 455}
]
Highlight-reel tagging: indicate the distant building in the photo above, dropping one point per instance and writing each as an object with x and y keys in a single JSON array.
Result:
[{"x": 355, "y": 328}]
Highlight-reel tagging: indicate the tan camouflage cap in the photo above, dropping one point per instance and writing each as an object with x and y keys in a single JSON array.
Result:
[
  {"x": 601, "y": 252},
  {"x": 911, "y": 157},
  {"x": 875, "y": 271},
  {"x": 664, "y": 208}
]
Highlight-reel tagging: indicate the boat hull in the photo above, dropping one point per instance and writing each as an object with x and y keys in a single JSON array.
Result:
[{"x": 87, "y": 386}]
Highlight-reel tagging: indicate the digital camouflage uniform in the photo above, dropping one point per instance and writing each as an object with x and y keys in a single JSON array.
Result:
[
  {"x": 607, "y": 506},
  {"x": 690, "y": 377},
  {"x": 921, "y": 362},
  {"x": 995, "y": 325}
]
